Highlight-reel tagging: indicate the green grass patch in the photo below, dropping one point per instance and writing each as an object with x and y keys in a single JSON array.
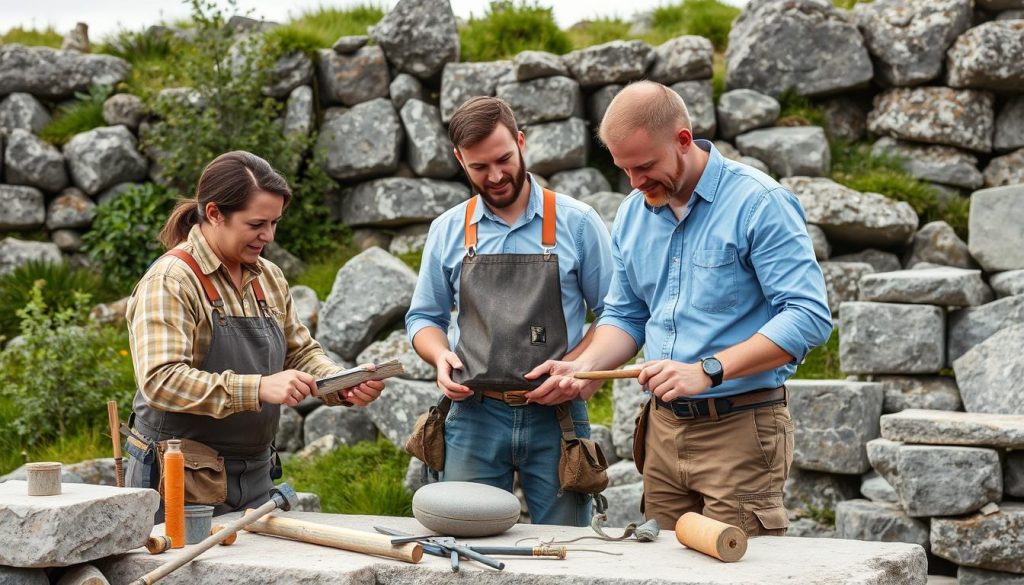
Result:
[
  {"x": 588, "y": 33},
  {"x": 706, "y": 18},
  {"x": 412, "y": 259},
  {"x": 798, "y": 110},
  {"x": 848, "y": 4},
  {"x": 32, "y": 37},
  {"x": 508, "y": 28},
  {"x": 321, "y": 271},
  {"x": 61, "y": 282},
  {"x": 717, "y": 76},
  {"x": 822, "y": 363},
  {"x": 155, "y": 60},
  {"x": 320, "y": 28},
  {"x": 826, "y": 516},
  {"x": 362, "y": 479},
  {"x": 81, "y": 116},
  {"x": 287, "y": 39},
  {"x": 599, "y": 407}
]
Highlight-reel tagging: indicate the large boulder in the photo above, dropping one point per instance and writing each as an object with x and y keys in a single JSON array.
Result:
[
  {"x": 742, "y": 110},
  {"x": 793, "y": 151},
  {"x": 989, "y": 56},
  {"x": 942, "y": 285},
  {"x": 613, "y": 62},
  {"x": 969, "y": 327},
  {"x": 700, "y": 104},
  {"x": 1009, "y": 134},
  {"x": 579, "y": 182},
  {"x": 991, "y": 374},
  {"x": 348, "y": 425},
  {"x": 418, "y": 36},
  {"x": 428, "y": 148},
  {"x": 994, "y": 237},
  {"x": 289, "y": 71},
  {"x": 682, "y": 59},
  {"x": 907, "y": 39},
  {"x": 396, "y": 346},
  {"x": 885, "y": 338},
  {"x": 922, "y": 392},
  {"x": 31, "y": 161},
  {"x": 461, "y": 81},
  {"x": 842, "y": 282},
  {"x": 103, "y": 157},
  {"x": 939, "y": 427},
  {"x": 935, "y": 115},
  {"x": 537, "y": 64},
  {"x": 942, "y": 480},
  {"x": 363, "y": 142},
  {"x": 547, "y": 99},
  {"x": 935, "y": 163},
  {"x": 397, "y": 201},
  {"x": 51, "y": 74},
  {"x": 22, "y": 110},
  {"x": 993, "y": 542},
  {"x": 71, "y": 209},
  {"x": 405, "y": 401},
  {"x": 15, "y": 253},
  {"x": 849, "y": 216},
  {"x": 1005, "y": 170},
  {"x": 937, "y": 243},
  {"x": 350, "y": 319},
  {"x": 834, "y": 419},
  {"x": 806, "y": 46},
  {"x": 353, "y": 79},
  {"x": 882, "y": 522},
  {"x": 557, "y": 146},
  {"x": 21, "y": 208}
]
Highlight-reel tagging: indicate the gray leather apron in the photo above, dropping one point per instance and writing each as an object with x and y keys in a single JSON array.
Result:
[
  {"x": 510, "y": 311},
  {"x": 245, "y": 345}
]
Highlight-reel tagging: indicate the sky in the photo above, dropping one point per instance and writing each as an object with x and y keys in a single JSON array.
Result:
[{"x": 105, "y": 17}]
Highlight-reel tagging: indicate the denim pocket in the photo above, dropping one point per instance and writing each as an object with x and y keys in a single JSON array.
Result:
[{"x": 714, "y": 280}]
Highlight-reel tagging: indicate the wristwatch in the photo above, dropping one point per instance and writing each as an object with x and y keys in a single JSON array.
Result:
[{"x": 713, "y": 369}]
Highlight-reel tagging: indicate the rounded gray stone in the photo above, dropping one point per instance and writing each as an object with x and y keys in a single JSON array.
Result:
[{"x": 464, "y": 509}]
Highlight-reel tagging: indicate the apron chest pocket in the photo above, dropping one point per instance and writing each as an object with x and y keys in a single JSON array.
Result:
[
  {"x": 206, "y": 479},
  {"x": 714, "y": 280}
]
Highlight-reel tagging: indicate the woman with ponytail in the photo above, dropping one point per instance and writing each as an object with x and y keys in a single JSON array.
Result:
[{"x": 216, "y": 342}]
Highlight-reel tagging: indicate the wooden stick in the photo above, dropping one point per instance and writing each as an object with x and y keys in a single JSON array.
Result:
[
  {"x": 607, "y": 374},
  {"x": 723, "y": 541},
  {"x": 115, "y": 424},
  {"x": 337, "y": 537}
]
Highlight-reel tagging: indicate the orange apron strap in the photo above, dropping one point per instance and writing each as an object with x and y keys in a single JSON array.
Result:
[
  {"x": 208, "y": 288},
  {"x": 257, "y": 289},
  {"x": 470, "y": 237},
  {"x": 548, "y": 230}
]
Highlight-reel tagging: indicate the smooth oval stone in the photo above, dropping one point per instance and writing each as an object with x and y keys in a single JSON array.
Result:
[{"x": 462, "y": 508}]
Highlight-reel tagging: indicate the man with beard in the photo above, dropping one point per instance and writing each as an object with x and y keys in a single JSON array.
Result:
[
  {"x": 521, "y": 265},
  {"x": 715, "y": 272}
]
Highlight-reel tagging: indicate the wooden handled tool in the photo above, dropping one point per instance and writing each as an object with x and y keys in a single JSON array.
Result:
[
  {"x": 112, "y": 418},
  {"x": 337, "y": 537},
  {"x": 607, "y": 374},
  {"x": 723, "y": 541}
]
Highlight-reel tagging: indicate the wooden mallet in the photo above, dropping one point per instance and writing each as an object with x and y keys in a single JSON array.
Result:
[
  {"x": 115, "y": 424},
  {"x": 337, "y": 537}
]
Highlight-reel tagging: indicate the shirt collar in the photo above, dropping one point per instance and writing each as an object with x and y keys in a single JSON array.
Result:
[
  {"x": 707, "y": 185},
  {"x": 534, "y": 208},
  {"x": 205, "y": 256}
]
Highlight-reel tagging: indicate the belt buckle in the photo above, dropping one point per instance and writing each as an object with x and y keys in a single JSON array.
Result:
[
  {"x": 514, "y": 398},
  {"x": 691, "y": 412}
]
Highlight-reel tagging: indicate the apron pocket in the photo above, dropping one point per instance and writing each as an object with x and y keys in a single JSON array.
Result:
[
  {"x": 426, "y": 442},
  {"x": 206, "y": 479},
  {"x": 581, "y": 467}
]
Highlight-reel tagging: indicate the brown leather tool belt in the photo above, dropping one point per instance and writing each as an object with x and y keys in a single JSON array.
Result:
[
  {"x": 509, "y": 397},
  {"x": 685, "y": 408}
]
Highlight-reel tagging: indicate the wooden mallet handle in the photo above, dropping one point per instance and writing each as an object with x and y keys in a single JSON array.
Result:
[
  {"x": 115, "y": 424},
  {"x": 337, "y": 537},
  {"x": 606, "y": 374}
]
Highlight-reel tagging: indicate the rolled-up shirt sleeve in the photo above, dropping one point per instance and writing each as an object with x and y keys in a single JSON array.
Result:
[
  {"x": 783, "y": 258},
  {"x": 433, "y": 299},
  {"x": 622, "y": 307}
]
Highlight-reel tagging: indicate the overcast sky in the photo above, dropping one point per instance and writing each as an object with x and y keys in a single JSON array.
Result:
[{"x": 107, "y": 16}]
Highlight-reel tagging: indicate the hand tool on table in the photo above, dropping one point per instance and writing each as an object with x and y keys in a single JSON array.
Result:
[
  {"x": 112, "y": 419},
  {"x": 282, "y": 497},
  {"x": 338, "y": 537},
  {"x": 447, "y": 546},
  {"x": 607, "y": 374}
]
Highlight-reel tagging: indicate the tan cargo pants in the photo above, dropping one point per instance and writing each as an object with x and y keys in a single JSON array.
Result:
[{"x": 731, "y": 469}]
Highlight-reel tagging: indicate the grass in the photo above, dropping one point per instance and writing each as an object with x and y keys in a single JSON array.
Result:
[
  {"x": 848, "y": 4},
  {"x": 320, "y": 28},
  {"x": 599, "y": 407},
  {"x": 826, "y": 516},
  {"x": 365, "y": 478},
  {"x": 155, "y": 60},
  {"x": 706, "y": 18},
  {"x": 508, "y": 28},
  {"x": 32, "y": 37},
  {"x": 412, "y": 259},
  {"x": 81, "y": 116},
  {"x": 798, "y": 110},
  {"x": 822, "y": 363},
  {"x": 588, "y": 33},
  {"x": 320, "y": 272}
]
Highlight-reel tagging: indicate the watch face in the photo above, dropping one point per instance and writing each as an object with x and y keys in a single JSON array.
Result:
[{"x": 712, "y": 366}]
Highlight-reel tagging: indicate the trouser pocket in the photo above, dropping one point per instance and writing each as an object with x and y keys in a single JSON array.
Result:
[
  {"x": 763, "y": 514},
  {"x": 141, "y": 458}
]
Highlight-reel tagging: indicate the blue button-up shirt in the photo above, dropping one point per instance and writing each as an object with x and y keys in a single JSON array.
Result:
[
  {"x": 582, "y": 247},
  {"x": 740, "y": 262}
]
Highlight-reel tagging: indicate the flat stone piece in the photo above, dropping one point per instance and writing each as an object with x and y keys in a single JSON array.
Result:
[
  {"x": 935, "y": 115},
  {"x": 940, "y": 427},
  {"x": 613, "y": 62},
  {"x": 267, "y": 559},
  {"x": 942, "y": 480},
  {"x": 536, "y": 64},
  {"x": 882, "y": 261},
  {"x": 989, "y": 56},
  {"x": 81, "y": 524},
  {"x": 991, "y": 374},
  {"x": 945, "y": 286},
  {"x": 969, "y": 327},
  {"x": 834, "y": 420},
  {"x": 865, "y": 219},
  {"x": 1009, "y": 283},
  {"x": 557, "y": 146},
  {"x": 875, "y": 488},
  {"x": 397, "y": 201},
  {"x": 933, "y": 162},
  {"x": 866, "y": 520},
  {"x": 937, "y": 242},
  {"x": 994, "y": 235},
  {"x": 924, "y": 392},
  {"x": 789, "y": 152},
  {"x": 885, "y": 338},
  {"x": 547, "y": 99},
  {"x": 741, "y": 110},
  {"x": 972, "y": 576},
  {"x": 994, "y": 542}
]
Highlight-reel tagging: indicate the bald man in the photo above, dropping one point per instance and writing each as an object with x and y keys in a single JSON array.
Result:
[{"x": 715, "y": 273}]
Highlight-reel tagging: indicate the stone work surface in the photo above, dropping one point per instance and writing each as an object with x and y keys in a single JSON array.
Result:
[
  {"x": 267, "y": 559},
  {"x": 834, "y": 419},
  {"x": 954, "y": 428},
  {"x": 992, "y": 542},
  {"x": 82, "y": 524}
]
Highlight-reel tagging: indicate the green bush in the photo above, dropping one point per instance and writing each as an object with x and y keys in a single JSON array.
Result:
[
  {"x": 822, "y": 363},
  {"x": 320, "y": 28},
  {"x": 123, "y": 236},
  {"x": 32, "y": 37},
  {"x": 706, "y": 18},
  {"x": 64, "y": 370},
  {"x": 82, "y": 116},
  {"x": 155, "y": 60},
  {"x": 61, "y": 282},
  {"x": 365, "y": 478},
  {"x": 510, "y": 27}
]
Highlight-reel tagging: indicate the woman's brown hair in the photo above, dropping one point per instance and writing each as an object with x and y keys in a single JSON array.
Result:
[{"x": 228, "y": 181}]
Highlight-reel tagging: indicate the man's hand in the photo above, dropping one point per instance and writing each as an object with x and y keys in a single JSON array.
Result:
[
  {"x": 447, "y": 362},
  {"x": 560, "y": 386},
  {"x": 669, "y": 380},
  {"x": 288, "y": 387},
  {"x": 366, "y": 392}
]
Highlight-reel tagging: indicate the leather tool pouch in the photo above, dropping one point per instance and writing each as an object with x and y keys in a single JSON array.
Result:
[
  {"x": 206, "y": 478},
  {"x": 582, "y": 465},
  {"x": 426, "y": 442},
  {"x": 639, "y": 436}
]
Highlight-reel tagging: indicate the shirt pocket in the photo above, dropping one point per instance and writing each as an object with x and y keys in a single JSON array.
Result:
[{"x": 714, "y": 280}]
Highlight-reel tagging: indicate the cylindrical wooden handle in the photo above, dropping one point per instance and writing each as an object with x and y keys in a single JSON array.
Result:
[
  {"x": 723, "y": 541},
  {"x": 337, "y": 537},
  {"x": 606, "y": 374},
  {"x": 112, "y": 419}
]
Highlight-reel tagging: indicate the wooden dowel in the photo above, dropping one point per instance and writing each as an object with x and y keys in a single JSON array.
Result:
[
  {"x": 723, "y": 541},
  {"x": 337, "y": 537},
  {"x": 606, "y": 374},
  {"x": 114, "y": 422}
]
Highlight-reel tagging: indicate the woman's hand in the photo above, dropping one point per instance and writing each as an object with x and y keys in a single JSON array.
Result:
[{"x": 288, "y": 387}]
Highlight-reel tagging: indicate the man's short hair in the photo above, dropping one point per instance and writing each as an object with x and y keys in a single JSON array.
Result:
[
  {"x": 644, "y": 105},
  {"x": 477, "y": 118}
]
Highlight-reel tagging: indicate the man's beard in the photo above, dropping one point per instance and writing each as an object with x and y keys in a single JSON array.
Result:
[
  {"x": 503, "y": 201},
  {"x": 665, "y": 190}
]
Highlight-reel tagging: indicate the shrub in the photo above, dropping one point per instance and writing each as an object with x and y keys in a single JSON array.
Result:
[
  {"x": 365, "y": 478},
  {"x": 123, "y": 237},
  {"x": 706, "y": 18},
  {"x": 82, "y": 116},
  {"x": 320, "y": 28},
  {"x": 508, "y": 28},
  {"x": 61, "y": 283},
  {"x": 32, "y": 37},
  {"x": 155, "y": 59},
  {"x": 64, "y": 370}
]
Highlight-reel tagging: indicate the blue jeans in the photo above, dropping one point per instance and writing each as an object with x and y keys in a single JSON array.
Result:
[{"x": 486, "y": 441}]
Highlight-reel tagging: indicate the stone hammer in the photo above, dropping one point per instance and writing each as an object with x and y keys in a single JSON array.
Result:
[{"x": 282, "y": 497}]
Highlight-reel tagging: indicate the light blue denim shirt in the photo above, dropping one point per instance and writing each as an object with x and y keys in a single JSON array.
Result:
[
  {"x": 740, "y": 262},
  {"x": 582, "y": 247}
]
